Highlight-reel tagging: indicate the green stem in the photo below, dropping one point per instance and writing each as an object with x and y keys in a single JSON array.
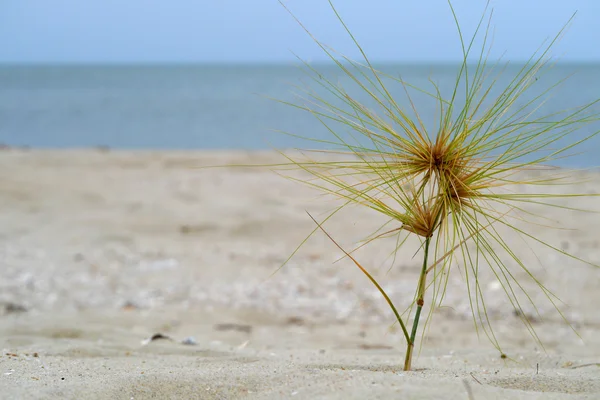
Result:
[
  {"x": 364, "y": 271},
  {"x": 420, "y": 301}
]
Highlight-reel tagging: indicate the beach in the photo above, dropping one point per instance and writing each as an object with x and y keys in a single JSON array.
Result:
[{"x": 101, "y": 250}]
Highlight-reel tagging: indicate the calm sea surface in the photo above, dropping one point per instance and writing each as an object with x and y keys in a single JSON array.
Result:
[{"x": 213, "y": 107}]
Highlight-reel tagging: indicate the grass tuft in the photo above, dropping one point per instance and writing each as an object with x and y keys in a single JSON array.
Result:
[{"x": 449, "y": 183}]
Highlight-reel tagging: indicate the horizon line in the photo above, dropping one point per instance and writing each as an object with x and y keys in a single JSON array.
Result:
[{"x": 417, "y": 63}]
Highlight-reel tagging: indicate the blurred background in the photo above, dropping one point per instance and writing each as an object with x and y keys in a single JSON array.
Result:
[{"x": 195, "y": 74}]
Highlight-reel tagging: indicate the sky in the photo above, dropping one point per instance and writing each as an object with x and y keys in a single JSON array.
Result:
[{"x": 262, "y": 31}]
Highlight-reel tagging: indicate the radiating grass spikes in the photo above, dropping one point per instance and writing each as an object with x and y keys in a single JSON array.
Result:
[{"x": 448, "y": 183}]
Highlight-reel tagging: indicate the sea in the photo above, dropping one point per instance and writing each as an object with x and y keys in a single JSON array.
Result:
[{"x": 236, "y": 106}]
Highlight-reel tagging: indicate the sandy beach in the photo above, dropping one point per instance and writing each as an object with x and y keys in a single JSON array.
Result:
[{"x": 102, "y": 249}]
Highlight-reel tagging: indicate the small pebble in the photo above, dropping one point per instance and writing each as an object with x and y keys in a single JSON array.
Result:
[{"x": 190, "y": 341}]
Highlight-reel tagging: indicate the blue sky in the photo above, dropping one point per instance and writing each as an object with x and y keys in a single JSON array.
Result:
[{"x": 159, "y": 31}]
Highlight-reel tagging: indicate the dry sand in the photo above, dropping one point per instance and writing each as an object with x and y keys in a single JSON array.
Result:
[{"x": 100, "y": 250}]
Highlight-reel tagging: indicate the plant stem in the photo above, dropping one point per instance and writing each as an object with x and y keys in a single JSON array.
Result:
[{"x": 420, "y": 295}]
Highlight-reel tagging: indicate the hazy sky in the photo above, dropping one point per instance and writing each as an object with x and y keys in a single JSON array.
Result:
[{"x": 60, "y": 31}]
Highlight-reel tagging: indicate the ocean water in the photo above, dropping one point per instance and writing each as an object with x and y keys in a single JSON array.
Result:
[{"x": 216, "y": 106}]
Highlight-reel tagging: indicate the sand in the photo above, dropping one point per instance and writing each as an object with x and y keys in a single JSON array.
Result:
[{"x": 102, "y": 249}]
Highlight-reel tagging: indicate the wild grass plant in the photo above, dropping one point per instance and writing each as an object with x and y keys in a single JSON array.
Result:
[{"x": 446, "y": 177}]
